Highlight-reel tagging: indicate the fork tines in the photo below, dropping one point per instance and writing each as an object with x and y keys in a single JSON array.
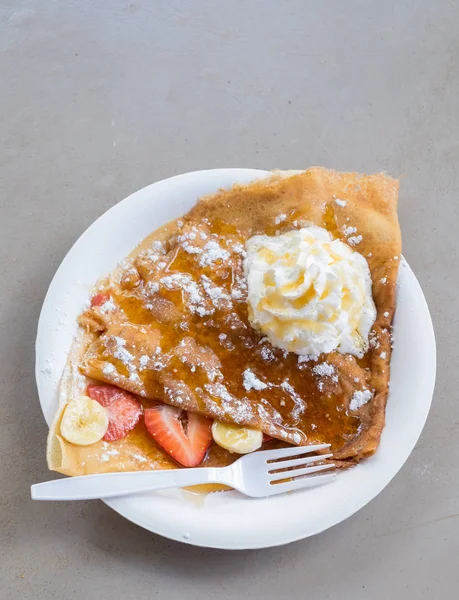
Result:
[{"x": 280, "y": 468}]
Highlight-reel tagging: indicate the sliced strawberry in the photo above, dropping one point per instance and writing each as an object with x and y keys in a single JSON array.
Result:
[
  {"x": 123, "y": 409},
  {"x": 186, "y": 447},
  {"x": 99, "y": 299},
  {"x": 266, "y": 438}
]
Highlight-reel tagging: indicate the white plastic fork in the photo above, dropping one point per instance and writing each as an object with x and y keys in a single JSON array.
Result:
[{"x": 256, "y": 475}]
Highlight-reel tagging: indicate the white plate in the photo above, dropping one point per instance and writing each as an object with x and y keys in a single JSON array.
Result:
[{"x": 229, "y": 520}]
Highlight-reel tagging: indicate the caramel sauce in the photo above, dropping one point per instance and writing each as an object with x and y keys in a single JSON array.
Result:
[
  {"x": 227, "y": 333},
  {"x": 206, "y": 488}
]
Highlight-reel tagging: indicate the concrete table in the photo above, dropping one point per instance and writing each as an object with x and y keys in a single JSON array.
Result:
[{"x": 101, "y": 98}]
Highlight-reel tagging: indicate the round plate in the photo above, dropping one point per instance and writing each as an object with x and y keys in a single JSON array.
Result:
[{"x": 229, "y": 520}]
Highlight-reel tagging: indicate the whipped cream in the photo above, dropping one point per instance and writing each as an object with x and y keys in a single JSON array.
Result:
[{"x": 308, "y": 293}]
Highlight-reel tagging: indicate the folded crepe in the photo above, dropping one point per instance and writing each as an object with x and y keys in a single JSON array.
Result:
[{"x": 171, "y": 325}]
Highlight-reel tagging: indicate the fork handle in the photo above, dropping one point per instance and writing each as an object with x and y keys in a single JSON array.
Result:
[{"x": 109, "y": 485}]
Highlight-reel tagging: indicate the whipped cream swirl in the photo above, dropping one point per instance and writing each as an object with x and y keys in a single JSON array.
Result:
[{"x": 308, "y": 293}]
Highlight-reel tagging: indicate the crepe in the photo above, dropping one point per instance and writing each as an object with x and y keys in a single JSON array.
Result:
[{"x": 171, "y": 325}]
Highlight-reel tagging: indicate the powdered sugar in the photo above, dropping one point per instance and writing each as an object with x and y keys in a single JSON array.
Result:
[
  {"x": 108, "y": 369},
  {"x": 158, "y": 247},
  {"x": 212, "y": 252},
  {"x": 179, "y": 394},
  {"x": 285, "y": 385},
  {"x": 108, "y": 453},
  {"x": 267, "y": 354},
  {"x": 354, "y": 240},
  {"x": 225, "y": 342},
  {"x": 120, "y": 351},
  {"x": 239, "y": 289},
  {"x": 185, "y": 282},
  {"x": 348, "y": 230},
  {"x": 359, "y": 398},
  {"x": 218, "y": 390},
  {"x": 143, "y": 361},
  {"x": 139, "y": 458},
  {"x": 297, "y": 437},
  {"x": 251, "y": 382},
  {"x": 155, "y": 252},
  {"x": 185, "y": 240},
  {"x": 152, "y": 287},
  {"x": 298, "y": 401},
  {"x": 108, "y": 306},
  {"x": 220, "y": 299},
  {"x": 324, "y": 369},
  {"x": 304, "y": 358},
  {"x": 239, "y": 249},
  {"x": 191, "y": 249},
  {"x": 373, "y": 340},
  {"x": 280, "y": 219},
  {"x": 237, "y": 294},
  {"x": 340, "y": 202}
]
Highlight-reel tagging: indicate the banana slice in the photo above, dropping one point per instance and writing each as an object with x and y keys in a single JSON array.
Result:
[
  {"x": 84, "y": 421},
  {"x": 240, "y": 440}
]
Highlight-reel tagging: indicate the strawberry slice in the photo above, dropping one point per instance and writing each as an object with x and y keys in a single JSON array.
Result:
[
  {"x": 123, "y": 410},
  {"x": 188, "y": 447},
  {"x": 99, "y": 299}
]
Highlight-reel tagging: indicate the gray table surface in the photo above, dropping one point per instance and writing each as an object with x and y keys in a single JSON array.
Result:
[{"x": 101, "y": 98}]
